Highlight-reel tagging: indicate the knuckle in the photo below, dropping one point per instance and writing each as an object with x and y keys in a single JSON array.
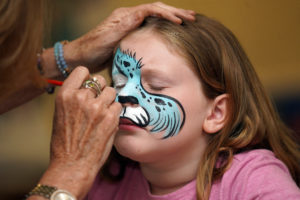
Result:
[
  {"x": 158, "y": 3},
  {"x": 82, "y": 69},
  {"x": 110, "y": 116},
  {"x": 118, "y": 107},
  {"x": 101, "y": 80},
  {"x": 118, "y": 10},
  {"x": 80, "y": 96},
  {"x": 96, "y": 107},
  {"x": 139, "y": 15},
  {"x": 111, "y": 91},
  {"x": 64, "y": 95}
]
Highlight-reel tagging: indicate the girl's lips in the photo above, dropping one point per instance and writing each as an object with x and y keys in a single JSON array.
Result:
[
  {"x": 127, "y": 124},
  {"x": 126, "y": 121}
]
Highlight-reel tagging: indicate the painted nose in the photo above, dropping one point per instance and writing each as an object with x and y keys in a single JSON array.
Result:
[{"x": 128, "y": 99}]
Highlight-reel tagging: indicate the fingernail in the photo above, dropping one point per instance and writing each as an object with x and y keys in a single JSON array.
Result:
[{"x": 192, "y": 12}]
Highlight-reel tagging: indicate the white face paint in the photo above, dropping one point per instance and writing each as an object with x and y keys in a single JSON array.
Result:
[
  {"x": 119, "y": 81},
  {"x": 132, "y": 112}
]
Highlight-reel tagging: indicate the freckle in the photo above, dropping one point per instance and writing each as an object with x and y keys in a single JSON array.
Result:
[
  {"x": 164, "y": 109},
  {"x": 148, "y": 100},
  {"x": 169, "y": 104},
  {"x": 131, "y": 75}
]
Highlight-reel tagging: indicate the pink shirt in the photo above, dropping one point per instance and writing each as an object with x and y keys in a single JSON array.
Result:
[{"x": 256, "y": 174}]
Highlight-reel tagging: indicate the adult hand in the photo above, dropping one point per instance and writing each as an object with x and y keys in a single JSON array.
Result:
[
  {"x": 83, "y": 132},
  {"x": 95, "y": 47}
]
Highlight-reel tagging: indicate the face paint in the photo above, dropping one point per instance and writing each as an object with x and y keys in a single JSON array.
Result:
[{"x": 157, "y": 111}]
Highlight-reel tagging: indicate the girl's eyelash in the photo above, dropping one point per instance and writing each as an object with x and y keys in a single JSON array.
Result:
[
  {"x": 119, "y": 81},
  {"x": 119, "y": 86},
  {"x": 157, "y": 88}
]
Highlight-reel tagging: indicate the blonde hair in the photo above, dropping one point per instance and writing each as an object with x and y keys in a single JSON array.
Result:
[
  {"x": 21, "y": 38},
  {"x": 224, "y": 67}
]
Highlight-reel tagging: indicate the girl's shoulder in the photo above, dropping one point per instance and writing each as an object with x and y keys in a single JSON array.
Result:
[
  {"x": 256, "y": 174},
  {"x": 103, "y": 189},
  {"x": 256, "y": 154}
]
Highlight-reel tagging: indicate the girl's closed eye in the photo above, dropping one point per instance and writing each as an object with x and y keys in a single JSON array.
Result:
[
  {"x": 119, "y": 81},
  {"x": 156, "y": 82},
  {"x": 119, "y": 86},
  {"x": 155, "y": 86}
]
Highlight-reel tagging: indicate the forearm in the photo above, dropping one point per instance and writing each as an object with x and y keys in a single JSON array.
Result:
[{"x": 23, "y": 81}]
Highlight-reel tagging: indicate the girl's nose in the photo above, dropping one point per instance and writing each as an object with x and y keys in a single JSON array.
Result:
[{"x": 128, "y": 99}]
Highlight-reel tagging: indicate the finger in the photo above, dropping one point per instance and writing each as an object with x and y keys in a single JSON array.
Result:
[
  {"x": 75, "y": 79},
  {"x": 86, "y": 94},
  {"x": 93, "y": 92},
  {"x": 101, "y": 80},
  {"x": 158, "y": 11},
  {"x": 107, "y": 96},
  {"x": 108, "y": 148},
  {"x": 116, "y": 108},
  {"x": 180, "y": 11},
  {"x": 167, "y": 14},
  {"x": 185, "y": 14},
  {"x": 173, "y": 14}
]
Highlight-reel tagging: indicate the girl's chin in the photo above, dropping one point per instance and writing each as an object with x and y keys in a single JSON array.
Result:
[
  {"x": 140, "y": 146},
  {"x": 135, "y": 145}
]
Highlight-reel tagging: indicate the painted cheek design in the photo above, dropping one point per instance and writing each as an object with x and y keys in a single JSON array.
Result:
[{"x": 157, "y": 111}]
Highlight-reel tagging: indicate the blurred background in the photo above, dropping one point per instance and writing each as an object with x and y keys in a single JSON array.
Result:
[{"x": 269, "y": 31}]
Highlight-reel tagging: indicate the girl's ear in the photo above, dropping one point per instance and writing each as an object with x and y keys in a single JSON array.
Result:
[{"x": 217, "y": 114}]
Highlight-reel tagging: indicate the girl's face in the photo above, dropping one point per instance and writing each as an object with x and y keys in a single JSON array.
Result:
[{"x": 163, "y": 103}]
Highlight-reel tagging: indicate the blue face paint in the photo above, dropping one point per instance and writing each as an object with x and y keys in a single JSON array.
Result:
[{"x": 157, "y": 111}]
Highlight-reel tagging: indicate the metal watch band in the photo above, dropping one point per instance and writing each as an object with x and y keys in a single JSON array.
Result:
[{"x": 43, "y": 190}]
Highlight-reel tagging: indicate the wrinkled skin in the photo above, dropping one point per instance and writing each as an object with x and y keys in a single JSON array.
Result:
[{"x": 83, "y": 133}]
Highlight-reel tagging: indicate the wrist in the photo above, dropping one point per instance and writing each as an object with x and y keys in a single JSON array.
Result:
[
  {"x": 73, "y": 54},
  {"x": 70, "y": 55},
  {"x": 49, "y": 65},
  {"x": 50, "y": 192},
  {"x": 75, "y": 180}
]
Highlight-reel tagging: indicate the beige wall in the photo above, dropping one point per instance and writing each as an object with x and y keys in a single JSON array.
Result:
[{"x": 268, "y": 29}]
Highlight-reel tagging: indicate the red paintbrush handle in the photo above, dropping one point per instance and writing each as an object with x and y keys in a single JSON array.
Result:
[{"x": 55, "y": 82}]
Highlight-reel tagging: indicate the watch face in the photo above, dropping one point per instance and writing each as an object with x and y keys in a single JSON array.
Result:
[{"x": 62, "y": 195}]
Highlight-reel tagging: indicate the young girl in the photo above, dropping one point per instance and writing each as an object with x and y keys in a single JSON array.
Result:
[{"x": 196, "y": 122}]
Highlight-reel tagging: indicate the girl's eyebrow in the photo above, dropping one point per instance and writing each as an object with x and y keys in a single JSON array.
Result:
[
  {"x": 149, "y": 70},
  {"x": 150, "y": 74}
]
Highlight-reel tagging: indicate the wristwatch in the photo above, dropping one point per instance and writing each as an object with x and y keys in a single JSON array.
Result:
[{"x": 51, "y": 193}]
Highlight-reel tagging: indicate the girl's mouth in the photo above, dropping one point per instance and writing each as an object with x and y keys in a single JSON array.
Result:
[
  {"x": 125, "y": 120},
  {"x": 128, "y": 124}
]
